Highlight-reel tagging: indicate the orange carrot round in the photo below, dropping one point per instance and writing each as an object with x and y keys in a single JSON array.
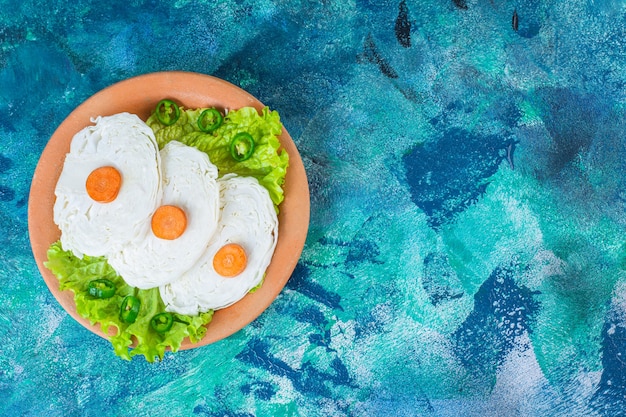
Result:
[
  {"x": 230, "y": 260},
  {"x": 103, "y": 184},
  {"x": 169, "y": 222}
]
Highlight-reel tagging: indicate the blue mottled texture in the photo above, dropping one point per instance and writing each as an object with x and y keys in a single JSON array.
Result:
[{"x": 466, "y": 254}]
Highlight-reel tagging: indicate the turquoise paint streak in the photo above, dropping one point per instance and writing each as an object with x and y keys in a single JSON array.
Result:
[{"x": 573, "y": 255}]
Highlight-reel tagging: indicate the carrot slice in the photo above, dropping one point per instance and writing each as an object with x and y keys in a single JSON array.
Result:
[
  {"x": 230, "y": 260},
  {"x": 103, "y": 184},
  {"x": 169, "y": 222}
]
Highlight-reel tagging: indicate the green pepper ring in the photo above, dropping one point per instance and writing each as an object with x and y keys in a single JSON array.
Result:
[
  {"x": 130, "y": 309},
  {"x": 101, "y": 288},
  {"x": 211, "y": 113},
  {"x": 163, "y": 112},
  {"x": 162, "y": 322},
  {"x": 242, "y": 140}
]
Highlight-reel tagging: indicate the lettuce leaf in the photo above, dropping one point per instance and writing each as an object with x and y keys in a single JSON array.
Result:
[
  {"x": 269, "y": 162},
  {"x": 75, "y": 274}
]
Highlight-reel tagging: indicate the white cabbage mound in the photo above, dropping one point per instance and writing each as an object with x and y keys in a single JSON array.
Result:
[
  {"x": 98, "y": 229},
  {"x": 248, "y": 218},
  {"x": 189, "y": 182}
]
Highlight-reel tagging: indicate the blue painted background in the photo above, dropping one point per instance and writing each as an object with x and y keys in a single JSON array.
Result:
[{"x": 466, "y": 254}]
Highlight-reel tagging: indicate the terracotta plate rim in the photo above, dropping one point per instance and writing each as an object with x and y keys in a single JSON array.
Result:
[{"x": 138, "y": 95}]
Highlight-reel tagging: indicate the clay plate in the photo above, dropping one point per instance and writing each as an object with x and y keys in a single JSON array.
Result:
[{"x": 139, "y": 95}]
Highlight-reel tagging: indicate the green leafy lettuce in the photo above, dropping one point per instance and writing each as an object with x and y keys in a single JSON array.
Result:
[
  {"x": 269, "y": 162},
  {"x": 75, "y": 274}
]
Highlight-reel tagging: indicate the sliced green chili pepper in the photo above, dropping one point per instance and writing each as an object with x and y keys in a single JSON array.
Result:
[
  {"x": 130, "y": 309},
  {"x": 209, "y": 120},
  {"x": 101, "y": 288},
  {"x": 242, "y": 146},
  {"x": 167, "y": 112},
  {"x": 162, "y": 322}
]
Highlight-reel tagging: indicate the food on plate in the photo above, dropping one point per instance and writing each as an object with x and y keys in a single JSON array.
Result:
[
  {"x": 169, "y": 222},
  {"x": 101, "y": 288},
  {"x": 146, "y": 208},
  {"x": 130, "y": 309},
  {"x": 268, "y": 163},
  {"x": 230, "y": 260},
  {"x": 248, "y": 221},
  {"x": 103, "y": 184},
  {"x": 76, "y": 273},
  {"x": 189, "y": 186},
  {"x": 209, "y": 120},
  {"x": 124, "y": 143},
  {"x": 167, "y": 112},
  {"x": 241, "y": 146}
]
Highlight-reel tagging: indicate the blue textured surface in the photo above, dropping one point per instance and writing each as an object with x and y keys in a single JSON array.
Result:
[{"x": 466, "y": 254}]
